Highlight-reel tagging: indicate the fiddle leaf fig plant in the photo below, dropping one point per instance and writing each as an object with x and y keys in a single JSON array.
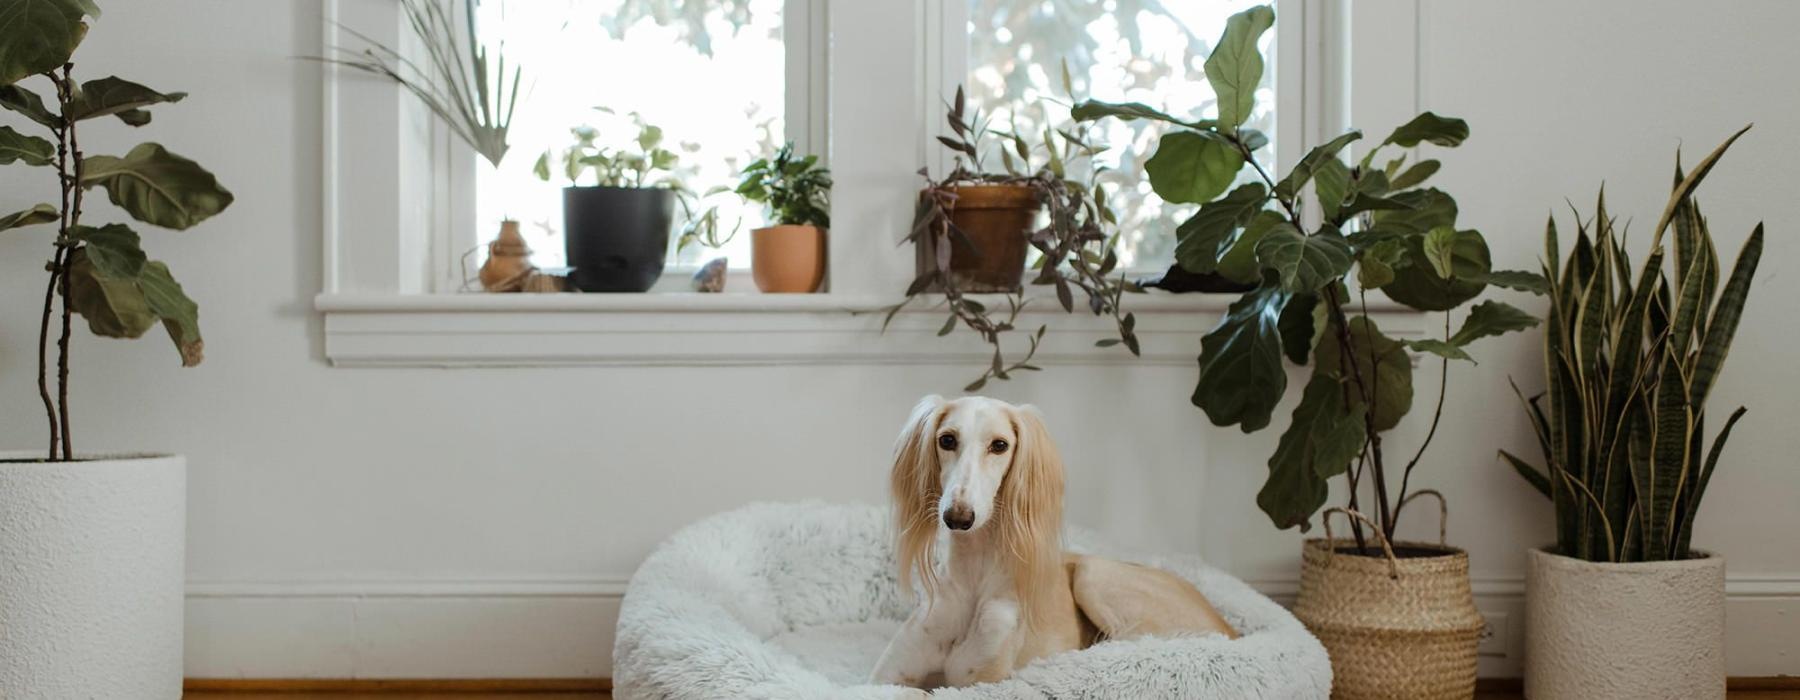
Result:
[
  {"x": 100, "y": 272},
  {"x": 1379, "y": 228}
]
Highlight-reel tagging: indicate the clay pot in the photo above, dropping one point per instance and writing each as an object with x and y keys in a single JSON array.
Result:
[
  {"x": 999, "y": 220},
  {"x": 788, "y": 259}
]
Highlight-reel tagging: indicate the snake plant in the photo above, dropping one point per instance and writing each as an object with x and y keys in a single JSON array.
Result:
[{"x": 1630, "y": 365}]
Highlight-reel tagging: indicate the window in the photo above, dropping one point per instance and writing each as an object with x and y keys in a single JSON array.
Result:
[
  {"x": 709, "y": 73},
  {"x": 1147, "y": 51}
]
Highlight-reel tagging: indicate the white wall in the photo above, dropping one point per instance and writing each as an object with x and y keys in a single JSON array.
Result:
[{"x": 481, "y": 522}]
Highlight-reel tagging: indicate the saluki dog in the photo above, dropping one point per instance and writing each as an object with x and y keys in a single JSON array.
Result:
[{"x": 988, "y": 472}]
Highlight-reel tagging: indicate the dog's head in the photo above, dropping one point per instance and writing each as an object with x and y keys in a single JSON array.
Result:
[{"x": 972, "y": 464}]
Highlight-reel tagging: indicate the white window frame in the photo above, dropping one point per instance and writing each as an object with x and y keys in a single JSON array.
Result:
[{"x": 399, "y": 204}]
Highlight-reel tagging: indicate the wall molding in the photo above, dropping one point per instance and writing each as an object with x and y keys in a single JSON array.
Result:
[{"x": 652, "y": 330}]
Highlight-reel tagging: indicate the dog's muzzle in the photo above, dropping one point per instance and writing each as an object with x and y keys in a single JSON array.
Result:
[{"x": 959, "y": 517}]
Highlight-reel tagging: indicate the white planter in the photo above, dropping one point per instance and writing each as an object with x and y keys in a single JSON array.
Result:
[
  {"x": 1641, "y": 631},
  {"x": 91, "y": 578}
]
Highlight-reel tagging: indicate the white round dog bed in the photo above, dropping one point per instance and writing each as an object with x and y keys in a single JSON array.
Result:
[{"x": 799, "y": 600}]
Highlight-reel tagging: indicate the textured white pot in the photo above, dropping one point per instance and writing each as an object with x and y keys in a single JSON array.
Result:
[
  {"x": 91, "y": 578},
  {"x": 1640, "y": 631}
]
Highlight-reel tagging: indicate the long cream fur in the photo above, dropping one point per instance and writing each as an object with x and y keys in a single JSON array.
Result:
[{"x": 1056, "y": 598}]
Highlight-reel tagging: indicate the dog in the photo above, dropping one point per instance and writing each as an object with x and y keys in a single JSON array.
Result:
[{"x": 988, "y": 472}]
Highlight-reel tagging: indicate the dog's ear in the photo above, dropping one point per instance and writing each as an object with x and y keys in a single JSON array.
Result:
[
  {"x": 1031, "y": 496},
  {"x": 917, "y": 485}
]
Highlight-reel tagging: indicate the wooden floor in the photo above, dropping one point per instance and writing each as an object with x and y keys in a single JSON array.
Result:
[{"x": 1735, "y": 695}]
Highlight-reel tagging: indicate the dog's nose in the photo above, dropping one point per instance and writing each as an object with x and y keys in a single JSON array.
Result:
[{"x": 959, "y": 517}]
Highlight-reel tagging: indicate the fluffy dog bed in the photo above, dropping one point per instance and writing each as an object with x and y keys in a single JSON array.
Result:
[{"x": 799, "y": 600}]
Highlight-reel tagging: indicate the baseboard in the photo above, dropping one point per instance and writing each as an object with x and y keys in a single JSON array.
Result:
[
  {"x": 562, "y": 627},
  {"x": 398, "y": 685}
]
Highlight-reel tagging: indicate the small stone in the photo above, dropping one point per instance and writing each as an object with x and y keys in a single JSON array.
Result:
[{"x": 711, "y": 276}]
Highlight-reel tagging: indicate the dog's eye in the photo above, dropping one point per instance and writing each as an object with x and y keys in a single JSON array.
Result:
[
  {"x": 947, "y": 442},
  {"x": 997, "y": 446}
]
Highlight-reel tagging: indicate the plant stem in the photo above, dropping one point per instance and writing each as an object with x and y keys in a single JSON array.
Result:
[
  {"x": 1348, "y": 355},
  {"x": 72, "y": 184},
  {"x": 1436, "y": 415}
]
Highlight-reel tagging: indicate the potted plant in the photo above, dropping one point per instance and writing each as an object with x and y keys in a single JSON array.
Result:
[
  {"x": 1397, "y": 617},
  {"x": 616, "y": 229},
  {"x": 91, "y": 589},
  {"x": 973, "y": 229},
  {"x": 789, "y": 257},
  {"x": 1621, "y": 606}
]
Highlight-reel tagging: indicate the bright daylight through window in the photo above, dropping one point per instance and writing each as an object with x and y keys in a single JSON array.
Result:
[
  {"x": 705, "y": 74},
  {"x": 1148, "y": 51}
]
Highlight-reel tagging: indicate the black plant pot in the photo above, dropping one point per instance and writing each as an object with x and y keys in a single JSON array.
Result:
[{"x": 616, "y": 237}]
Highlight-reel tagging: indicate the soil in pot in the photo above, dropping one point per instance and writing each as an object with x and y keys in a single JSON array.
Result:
[
  {"x": 999, "y": 220},
  {"x": 788, "y": 259},
  {"x": 616, "y": 238},
  {"x": 1399, "y": 624}
]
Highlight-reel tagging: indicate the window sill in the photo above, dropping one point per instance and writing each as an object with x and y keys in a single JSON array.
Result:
[{"x": 688, "y": 329}]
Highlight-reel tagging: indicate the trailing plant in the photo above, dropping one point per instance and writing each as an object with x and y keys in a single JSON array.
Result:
[
  {"x": 1076, "y": 254},
  {"x": 1379, "y": 228},
  {"x": 96, "y": 270},
  {"x": 797, "y": 191},
  {"x": 1629, "y": 366},
  {"x": 464, "y": 81},
  {"x": 643, "y": 163}
]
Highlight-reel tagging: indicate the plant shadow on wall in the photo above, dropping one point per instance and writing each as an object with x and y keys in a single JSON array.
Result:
[{"x": 98, "y": 271}]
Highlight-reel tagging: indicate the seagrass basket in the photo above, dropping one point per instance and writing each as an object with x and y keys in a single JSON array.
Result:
[{"x": 1402, "y": 625}]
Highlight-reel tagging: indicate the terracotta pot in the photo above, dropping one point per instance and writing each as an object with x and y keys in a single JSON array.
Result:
[
  {"x": 1636, "y": 630},
  {"x": 788, "y": 259},
  {"x": 999, "y": 220},
  {"x": 1399, "y": 624}
]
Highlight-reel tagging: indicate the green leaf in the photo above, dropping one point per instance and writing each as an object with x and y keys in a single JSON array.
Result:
[
  {"x": 1383, "y": 363},
  {"x": 1239, "y": 261},
  {"x": 26, "y": 102},
  {"x": 1440, "y": 348},
  {"x": 1236, "y": 66},
  {"x": 113, "y": 307},
  {"x": 1424, "y": 210},
  {"x": 180, "y": 315},
  {"x": 1300, "y": 326},
  {"x": 1376, "y": 266},
  {"x": 1300, "y": 262},
  {"x": 1518, "y": 280},
  {"x": 114, "y": 250},
  {"x": 1331, "y": 182},
  {"x": 1418, "y": 285},
  {"x": 1443, "y": 131},
  {"x": 1202, "y": 239},
  {"x": 39, "y": 36},
  {"x": 31, "y": 150},
  {"x": 1326, "y": 433},
  {"x": 158, "y": 187},
  {"x": 40, "y": 214},
  {"x": 1303, "y": 170},
  {"x": 1533, "y": 475},
  {"x": 110, "y": 96},
  {"x": 1492, "y": 318},
  {"x": 1440, "y": 251},
  {"x": 1415, "y": 175},
  {"x": 1090, "y": 110},
  {"x": 1241, "y": 376},
  {"x": 1191, "y": 167},
  {"x": 1729, "y": 309}
]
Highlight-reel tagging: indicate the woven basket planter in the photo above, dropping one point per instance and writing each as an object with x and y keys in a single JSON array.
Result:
[{"x": 1402, "y": 625}]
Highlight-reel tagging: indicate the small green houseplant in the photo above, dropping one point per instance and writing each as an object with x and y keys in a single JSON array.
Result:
[
  {"x": 974, "y": 228},
  {"x": 788, "y": 256},
  {"x": 619, "y": 207},
  {"x": 92, "y": 544},
  {"x": 1629, "y": 367},
  {"x": 1380, "y": 229}
]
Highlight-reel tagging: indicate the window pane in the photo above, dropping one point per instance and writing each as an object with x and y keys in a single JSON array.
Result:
[
  {"x": 709, "y": 73},
  {"x": 1149, "y": 51}
]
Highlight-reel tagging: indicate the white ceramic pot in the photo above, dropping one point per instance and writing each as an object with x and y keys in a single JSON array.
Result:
[
  {"x": 1641, "y": 631},
  {"x": 91, "y": 576}
]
